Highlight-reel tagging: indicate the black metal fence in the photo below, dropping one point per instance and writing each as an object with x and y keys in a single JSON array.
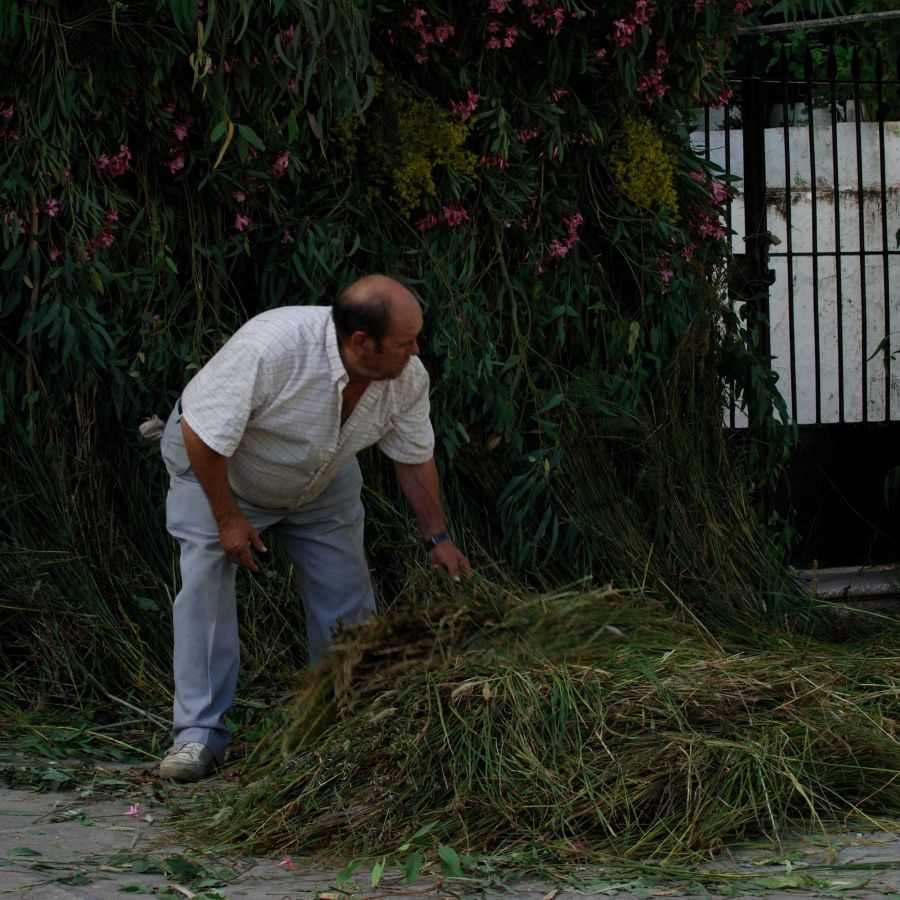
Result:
[{"x": 816, "y": 146}]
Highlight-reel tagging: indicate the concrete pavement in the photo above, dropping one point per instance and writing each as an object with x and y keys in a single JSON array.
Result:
[{"x": 84, "y": 843}]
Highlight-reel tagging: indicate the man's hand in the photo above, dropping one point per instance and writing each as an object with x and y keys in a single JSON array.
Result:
[
  {"x": 237, "y": 536},
  {"x": 448, "y": 556}
]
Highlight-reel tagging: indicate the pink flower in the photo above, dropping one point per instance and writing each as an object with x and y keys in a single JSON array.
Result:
[
  {"x": 112, "y": 216},
  {"x": 698, "y": 176},
  {"x": 643, "y": 12},
  {"x": 292, "y": 85},
  {"x": 709, "y": 227},
  {"x": 175, "y": 164},
  {"x": 417, "y": 18},
  {"x": 511, "y": 35},
  {"x": 662, "y": 55},
  {"x": 497, "y": 6},
  {"x": 287, "y": 34},
  {"x": 106, "y": 240},
  {"x": 169, "y": 108},
  {"x": 717, "y": 192},
  {"x": 667, "y": 275},
  {"x": 651, "y": 86},
  {"x": 133, "y": 810},
  {"x": 623, "y": 36},
  {"x": 493, "y": 43},
  {"x": 558, "y": 249},
  {"x": 429, "y": 220},
  {"x": 51, "y": 207},
  {"x": 239, "y": 196},
  {"x": 7, "y": 111},
  {"x": 241, "y": 221},
  {"x": 54, "y": 254},
  {"x": 556, "y": 94},
  {"x": 527, "y": 134},
  {"x": 443, "y": 31},
  {"x": 723, "y": 98},
  {"x": 116, "y": 165},
  {"x": 286, "y": 237},
  {"x": 180, "y": 131},
  {"x": 495, "y": 161},
  {"x": 573, "y": 223},
  {"x": 742, "y": 7},
  {"x": 454, "y": 215},
  {"x": 279, "y": 167},
  {"x": 558, "y": 16},
  {"x": 286, "y": 862},
  {"x": 465, "y": 108}
]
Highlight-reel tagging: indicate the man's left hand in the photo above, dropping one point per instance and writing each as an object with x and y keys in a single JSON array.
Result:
[{"x": 448, "y": 556}]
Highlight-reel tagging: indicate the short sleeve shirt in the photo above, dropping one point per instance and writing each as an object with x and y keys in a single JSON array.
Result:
[{"x": 270, "y": 401}]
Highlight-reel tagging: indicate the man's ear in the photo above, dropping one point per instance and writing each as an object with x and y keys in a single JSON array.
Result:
[{"x": 358, "y": 341}]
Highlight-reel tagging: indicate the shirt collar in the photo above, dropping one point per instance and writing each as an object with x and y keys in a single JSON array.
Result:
[{"x": 339, "y": 372}]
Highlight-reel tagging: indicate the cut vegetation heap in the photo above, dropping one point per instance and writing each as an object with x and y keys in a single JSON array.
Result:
[
  {"x": 171, "y": 168},
  {"x": 567, "y": 725}
]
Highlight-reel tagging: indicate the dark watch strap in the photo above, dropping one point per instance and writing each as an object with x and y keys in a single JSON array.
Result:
[{"x": 435, "y": 539}]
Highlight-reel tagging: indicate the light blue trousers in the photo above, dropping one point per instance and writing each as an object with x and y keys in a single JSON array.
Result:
[{"x": 324, "y": 540}]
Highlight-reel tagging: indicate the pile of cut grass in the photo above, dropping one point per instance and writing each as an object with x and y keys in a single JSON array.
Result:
[{"x": 596, "y": 721}]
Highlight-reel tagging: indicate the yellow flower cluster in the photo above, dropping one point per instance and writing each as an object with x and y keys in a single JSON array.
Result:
[
  {"x": 409, "y": 138},
  {"x": 642, "y": 166}
]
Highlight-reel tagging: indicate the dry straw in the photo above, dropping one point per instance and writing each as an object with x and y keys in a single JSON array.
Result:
[{"x": 574, "y": 723}]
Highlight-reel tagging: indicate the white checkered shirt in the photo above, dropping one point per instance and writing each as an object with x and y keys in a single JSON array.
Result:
[{"x": 270, "y": 401}]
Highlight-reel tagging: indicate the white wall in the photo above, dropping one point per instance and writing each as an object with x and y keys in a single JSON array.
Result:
[{"x": 831, "y": 217}]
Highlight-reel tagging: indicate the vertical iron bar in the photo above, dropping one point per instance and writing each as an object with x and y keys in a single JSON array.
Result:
[
  {"x": 789, "y": 239},
  {"x": 885, "y": 257},
  {"x": 728, "y": 221},
  {"x": 860, "y": 187},
  {"x": 838, "y": 253},
  {"x": 755, "y": 226},
  {"x": 807, "y": 66}
]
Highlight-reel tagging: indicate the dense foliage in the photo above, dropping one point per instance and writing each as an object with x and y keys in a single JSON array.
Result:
[{"x": 171, "y": 168}]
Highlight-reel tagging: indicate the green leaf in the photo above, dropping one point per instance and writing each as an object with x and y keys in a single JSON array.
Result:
[
  {"x": 249, "y": 135},
  {"x": 23, "y": 851},
  {"x": 347, "y": 872},
  {"x": 218, "y": 131},
  {"x": 377, "y": 871},
  {"x": 424, "y": 830},
  {"x": 449, "y": 861},
  {"x": 413, "y": 866}
]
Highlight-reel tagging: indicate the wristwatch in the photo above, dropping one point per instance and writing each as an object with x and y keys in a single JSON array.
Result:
[{"x": 435, "y": 539}]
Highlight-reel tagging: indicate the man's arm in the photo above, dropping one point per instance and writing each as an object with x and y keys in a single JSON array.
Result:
[
  {"x": 419, "y": 483},
  {"x": 236, "y": 534}
]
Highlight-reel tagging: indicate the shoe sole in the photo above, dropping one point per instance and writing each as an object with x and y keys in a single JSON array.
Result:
[{"x": 182, "y": 773}]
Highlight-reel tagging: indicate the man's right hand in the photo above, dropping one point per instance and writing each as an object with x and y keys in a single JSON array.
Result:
[{"x": 237, "y": 536}]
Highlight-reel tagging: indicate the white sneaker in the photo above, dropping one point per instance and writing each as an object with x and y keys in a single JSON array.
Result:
[{"x": 189, "y": 761}]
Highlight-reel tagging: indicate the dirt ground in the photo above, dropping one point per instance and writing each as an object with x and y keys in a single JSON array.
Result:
[{"x": 111, "y": 838}]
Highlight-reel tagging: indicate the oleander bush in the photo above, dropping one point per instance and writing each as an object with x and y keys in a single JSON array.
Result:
[{"x": 172, "y": 167}]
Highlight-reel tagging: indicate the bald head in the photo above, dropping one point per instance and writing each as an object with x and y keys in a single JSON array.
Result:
[{"x": 371, "y": 305}]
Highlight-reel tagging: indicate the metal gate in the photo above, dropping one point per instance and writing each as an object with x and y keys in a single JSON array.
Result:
[{"x": 815, "y": 144}]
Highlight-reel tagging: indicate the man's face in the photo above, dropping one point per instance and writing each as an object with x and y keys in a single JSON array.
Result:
[{"x": 399, "y": 343}]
